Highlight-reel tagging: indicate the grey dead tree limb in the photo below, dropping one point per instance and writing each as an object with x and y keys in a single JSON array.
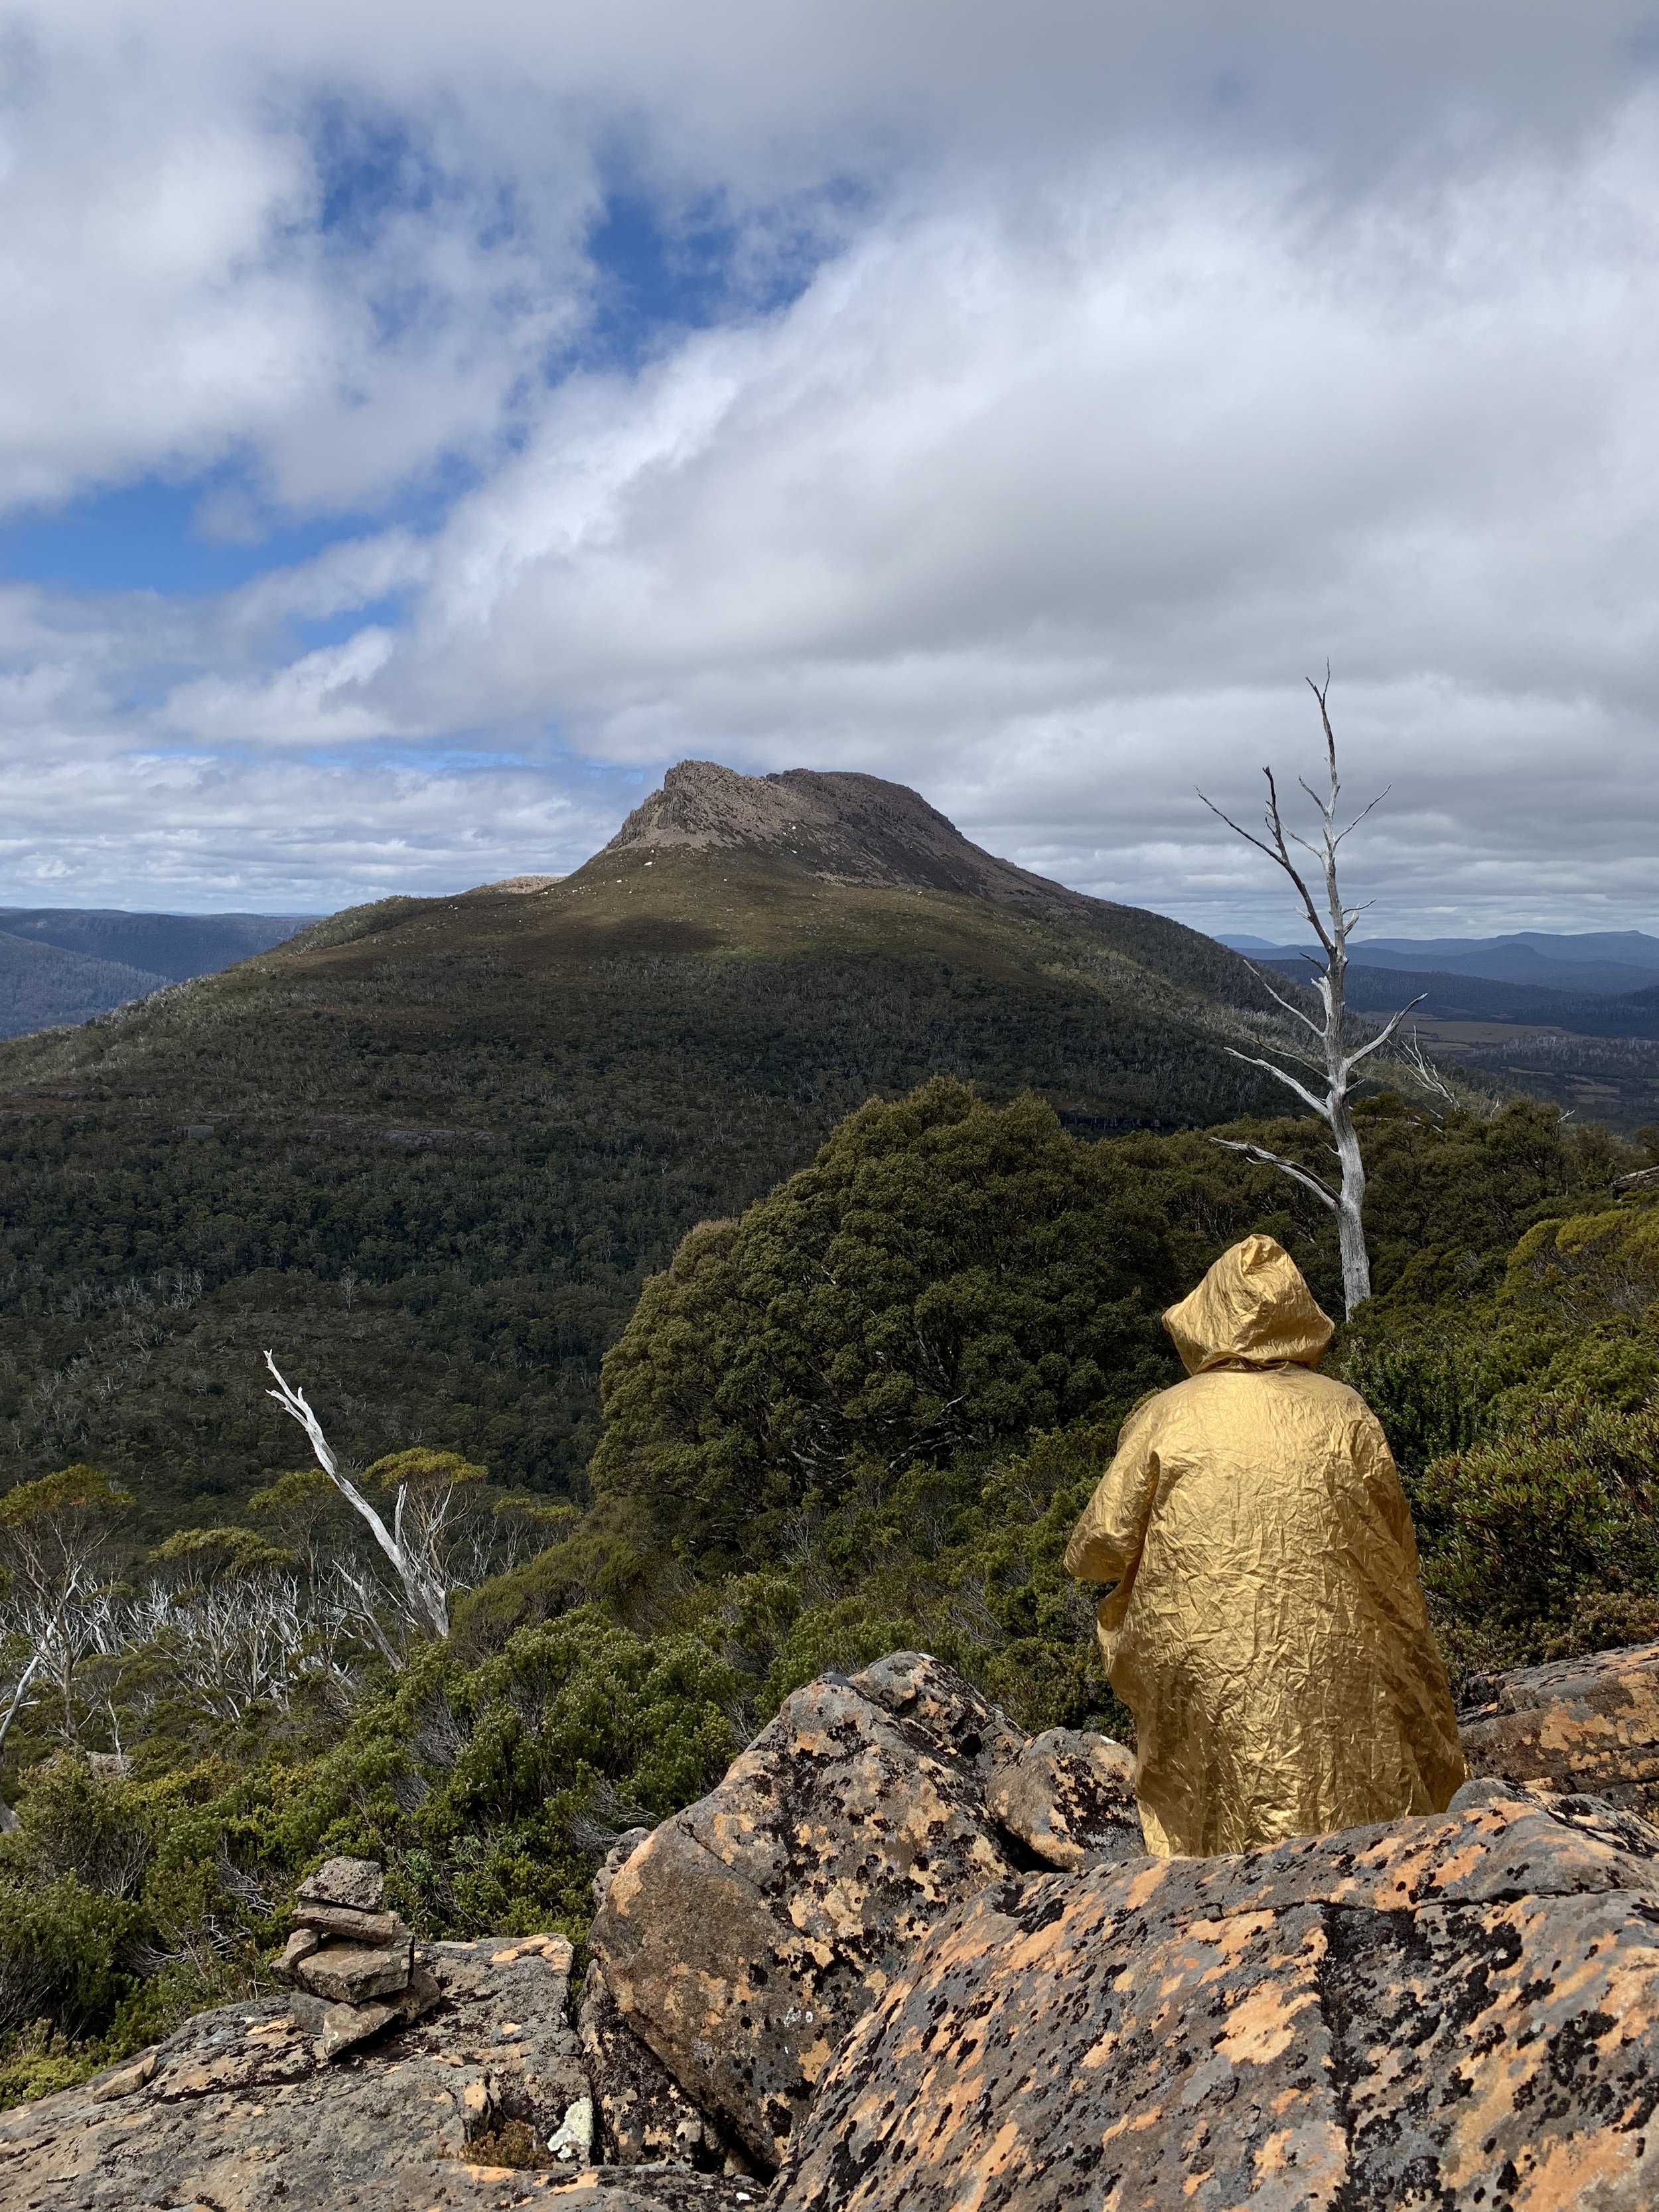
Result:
[
  {"x": 1329, "y": 1067},
  {"x": 411, "y": 1544}
]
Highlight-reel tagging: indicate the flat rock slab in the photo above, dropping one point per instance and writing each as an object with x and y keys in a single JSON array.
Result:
[
  {"x": 1459, "y": 2013},
  {"x": 236, "y": 2110},
  {"x": 748, "y": 1932},
  {"x": 1588, "y": 1725},
  {"x": 356, "y": 1883}
]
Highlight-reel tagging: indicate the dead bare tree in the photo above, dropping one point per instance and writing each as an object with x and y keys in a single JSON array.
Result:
[
  {"x": 54, "y": 1534},
  {"x": 411, "y": 1544},
  {"x": 1332, "y": 1062}
]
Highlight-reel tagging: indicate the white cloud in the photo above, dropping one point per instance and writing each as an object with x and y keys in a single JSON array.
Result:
[{"x": 1154, "y": 355}]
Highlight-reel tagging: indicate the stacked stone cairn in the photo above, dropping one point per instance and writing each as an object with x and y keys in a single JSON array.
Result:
[{"x": 357, "y": 1959}]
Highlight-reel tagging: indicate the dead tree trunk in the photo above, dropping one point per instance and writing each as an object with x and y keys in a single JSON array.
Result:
[
  {"x": 419, "y": 1571},
  {"x": 1331, "y": 1064}
]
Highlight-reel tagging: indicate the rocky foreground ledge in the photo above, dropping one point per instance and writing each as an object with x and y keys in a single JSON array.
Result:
[{"x": 904, "y": 1960}]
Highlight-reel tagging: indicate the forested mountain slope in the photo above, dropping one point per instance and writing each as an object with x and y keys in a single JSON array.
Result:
[
  {"x": 428, "y": 1151},
  {"x": 63, "y": 964}
]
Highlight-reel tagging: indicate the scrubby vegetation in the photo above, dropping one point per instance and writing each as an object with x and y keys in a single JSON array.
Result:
[{"x": 860, "y": 1414}]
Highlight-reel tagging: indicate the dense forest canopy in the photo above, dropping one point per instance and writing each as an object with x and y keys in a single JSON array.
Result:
[{"x": 432, "y": 1151}]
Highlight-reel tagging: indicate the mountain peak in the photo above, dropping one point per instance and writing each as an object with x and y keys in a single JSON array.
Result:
[{"x": 847, "y": 828}]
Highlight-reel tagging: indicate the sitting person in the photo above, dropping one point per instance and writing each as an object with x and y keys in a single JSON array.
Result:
[{"x": 1267, "y": 1628}]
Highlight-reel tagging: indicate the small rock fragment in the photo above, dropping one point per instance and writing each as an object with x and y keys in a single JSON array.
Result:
[
  {"x": 344, "y": 2026},
  {"x": 352, "y": 1974},
  {"x": 1069, "y": 1797},
  {"x": 572, "y": 2139},
  {"x": 127, "y": 2080},
  {"x": 299, "y": 1946},
  {"x": 357, "y": 1882},
  {"x": 350, "y": 1925},
  {"x": 614, "y": 1859},
  {"x": 416, "y": 2000}
]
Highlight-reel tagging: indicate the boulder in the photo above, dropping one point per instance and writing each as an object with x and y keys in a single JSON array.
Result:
[
  {"x": 1070, "y": 1798},
  {"x": 355, "y": 1882},
  {"x": 237, "y": 2110},
  {"x": 746, "y": 1935},
  {"x": 1459, "y": 2011},
  {"x": 1575, "y": 1724},
  {"x": 642, "y": 2115}
]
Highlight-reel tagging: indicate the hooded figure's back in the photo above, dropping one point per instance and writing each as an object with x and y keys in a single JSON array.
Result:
[{"x": 1268, "y": 1629}]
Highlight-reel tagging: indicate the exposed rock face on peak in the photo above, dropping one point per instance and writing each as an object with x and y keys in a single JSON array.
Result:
[
  {"x": 1590, "y": 1723},
  {"x": 851, "y": 828}
]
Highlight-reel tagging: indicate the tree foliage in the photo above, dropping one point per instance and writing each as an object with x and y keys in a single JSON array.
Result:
[{"x": 944, "y": 1277}]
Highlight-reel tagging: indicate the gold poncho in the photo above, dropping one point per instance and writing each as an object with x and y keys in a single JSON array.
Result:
[{"x": 1267, "y": 1630}]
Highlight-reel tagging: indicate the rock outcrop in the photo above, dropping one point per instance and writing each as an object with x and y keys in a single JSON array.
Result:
[
  {"x": 744, "y": 1937},
  {"x": 1454, "y": 2011},
  {"x": 851, "y": 829},
  {"x": 239, "y": 2111},
  {"x": 1576, "y": 1724},
  {"x": 924, "y": 1963}
]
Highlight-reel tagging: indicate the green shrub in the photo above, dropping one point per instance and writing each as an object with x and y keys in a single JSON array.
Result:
[
  {"x": 1543, "y": 1540},
  {"x": 66, "y": 1953}
]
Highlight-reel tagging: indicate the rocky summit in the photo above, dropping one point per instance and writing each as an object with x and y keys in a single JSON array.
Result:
[
  {"x": 904, "y": 1958},
  {"x": 845, "y": 827}
]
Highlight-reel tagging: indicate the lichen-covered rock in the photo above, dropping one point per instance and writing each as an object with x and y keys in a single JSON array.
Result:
[
  {"x": 615, "y": 1859},
  {"x": 644, "y": 2116},
  {"x": 238, "y": 2111},
  {"x": 747, "y": 1934},
  {"x": 1576, "y": 1725},
  {"x": 1069, "y": 1797},
  {"x": 915, "y": 1686},
  {"x": 1460, "y": 2011}
]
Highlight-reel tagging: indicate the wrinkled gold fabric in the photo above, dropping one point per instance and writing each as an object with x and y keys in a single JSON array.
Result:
[{"x": 1267, "y": 1628}]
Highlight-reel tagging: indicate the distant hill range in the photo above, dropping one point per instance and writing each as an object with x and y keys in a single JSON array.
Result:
[
  {"x": 1602, "y": 985},
  {"x": 429, "y": 1149},
  {"x": 61, "y": 964}
]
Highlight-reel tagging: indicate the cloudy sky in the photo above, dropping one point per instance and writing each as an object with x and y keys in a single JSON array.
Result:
[{"x": 422, "y": 421}]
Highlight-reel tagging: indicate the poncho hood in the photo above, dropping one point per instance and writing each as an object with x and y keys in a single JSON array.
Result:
[{"x": 1255, "y": 1306}]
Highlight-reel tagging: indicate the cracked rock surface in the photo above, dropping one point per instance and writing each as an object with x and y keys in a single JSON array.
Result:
[
  {"x": 1588, "y": 1723},
  {"x": 1460, "y": 2011},
  {"x": 238, "y": 2111},
  {"x": 746, "y": 1935}
]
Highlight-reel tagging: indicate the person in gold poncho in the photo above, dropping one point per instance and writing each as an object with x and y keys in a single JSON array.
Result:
[{"x": 1267, "y": 1628}]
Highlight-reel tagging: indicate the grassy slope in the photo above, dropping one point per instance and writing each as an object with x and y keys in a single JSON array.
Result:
[{"x": 449, "y": 1139}]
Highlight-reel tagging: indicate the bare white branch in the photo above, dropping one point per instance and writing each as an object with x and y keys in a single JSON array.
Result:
[
  {"x": 1301, "y": 1090},
  {"x": 418, "y": 1568},
  {"x": 1336, "y": 1066},
  {"x": 1285, "y": 1167}
]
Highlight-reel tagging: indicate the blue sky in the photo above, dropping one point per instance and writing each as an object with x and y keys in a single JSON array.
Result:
[{"x": 421, "y": 426}]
